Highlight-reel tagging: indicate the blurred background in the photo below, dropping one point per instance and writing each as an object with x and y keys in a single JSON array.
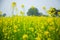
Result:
[{"x": 5, "y": 6}]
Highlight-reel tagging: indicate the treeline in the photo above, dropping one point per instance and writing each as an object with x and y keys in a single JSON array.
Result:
[
  {"x": 51, "y": 12},
  {"x": 2, "y": 14},
  {"x": 33, "y": 11}
]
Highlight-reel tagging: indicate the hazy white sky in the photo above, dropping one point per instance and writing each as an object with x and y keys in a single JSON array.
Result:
[{"x": 5, "y": 5}]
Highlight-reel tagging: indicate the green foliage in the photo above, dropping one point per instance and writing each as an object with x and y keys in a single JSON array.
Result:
[
  {"x": 33, "y": 11},
  {"x": 3, "y": 15}
]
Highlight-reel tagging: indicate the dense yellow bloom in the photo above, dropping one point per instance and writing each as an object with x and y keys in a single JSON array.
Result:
[
  {"x": 25, "y": 36},
  {"x": 58, "y": 21},
  {"x": 15, "y": 30},
  {"x": 51, "y": 28},
  {"x": 37, "y": 28},
  {"x": 15, "y": 26},
  {"x": 38, "y": 38},
  {"x": 31, "y": 29},
  {"x": 49, "y": 20},
  {"x": 46, "y": 33}
]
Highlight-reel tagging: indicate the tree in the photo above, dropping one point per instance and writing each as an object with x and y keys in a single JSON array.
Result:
[
  {"x": 33, "y": 11},
  {"x": 4, "y": 15}
]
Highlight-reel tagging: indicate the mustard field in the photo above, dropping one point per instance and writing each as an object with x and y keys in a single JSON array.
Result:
[{"x": 29, "y": 28}]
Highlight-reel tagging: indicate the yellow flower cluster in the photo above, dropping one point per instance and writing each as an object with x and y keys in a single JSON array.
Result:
[
  {"x": 13, "y": 4},
  {"x": 25, "y": 36},
  {"x": 51, "y": 11},
  {"x": 22, "y": 5},
  {"x": 29, "y": 28}
]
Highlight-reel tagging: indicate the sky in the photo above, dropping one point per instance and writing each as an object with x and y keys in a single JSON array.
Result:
[{"x": 5, "y": 5}]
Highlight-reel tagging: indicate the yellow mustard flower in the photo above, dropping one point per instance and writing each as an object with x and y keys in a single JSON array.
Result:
[
  {"x": 22, "y": 13},
  {"x": 13, "y": 4},
  {"x": 31, "y": 29},
  {"x": 51, "y": 28},
  {"x": 49, "y": 20},
  {"x": 25, "y": 36},
  {"x": 15, "y": 26},
  {"x": 44, "y": 7},
  {"x": 32, "y": 7},
  {"x": 46, "y": 33},
  {"x": 38, "y": 38},
  {"x": 15, "y": 30},
  {"x": 22, "y": 5}
]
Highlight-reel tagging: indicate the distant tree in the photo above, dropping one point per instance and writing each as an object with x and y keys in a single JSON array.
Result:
[
  {"x": 40, "y": 14},
  {"x": 33, "y": 11},
  {"x": 4, "y": 15},
  {"x": 45, "y": 15}
]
